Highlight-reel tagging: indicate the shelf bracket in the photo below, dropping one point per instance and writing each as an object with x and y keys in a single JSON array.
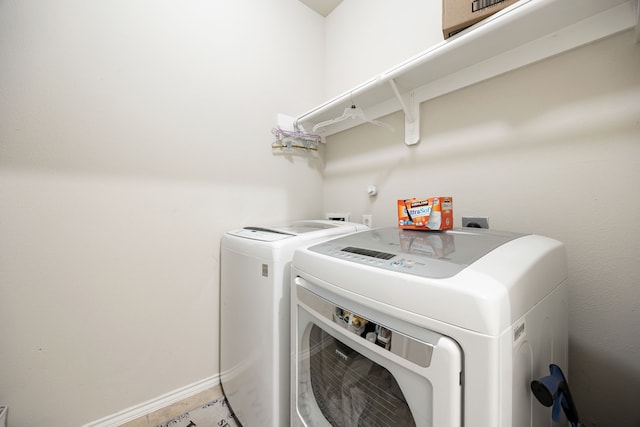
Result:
[{"x": 411, "y": 115}]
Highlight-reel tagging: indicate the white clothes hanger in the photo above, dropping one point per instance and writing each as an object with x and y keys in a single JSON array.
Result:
[{"x": 352, "y": 112}]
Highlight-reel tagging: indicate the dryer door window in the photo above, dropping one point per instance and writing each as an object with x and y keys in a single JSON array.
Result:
[
  {"x": 351, "y": 389},
  {"x": 353, "y": 372}
]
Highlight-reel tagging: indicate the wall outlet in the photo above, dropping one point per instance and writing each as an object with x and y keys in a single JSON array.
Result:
[
  {"x": 338, "y": 216},
  {"x": 367, "y": 220},
  {"x": 475, "y": 221}
]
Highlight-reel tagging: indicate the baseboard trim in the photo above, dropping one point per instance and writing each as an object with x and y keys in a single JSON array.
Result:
[{"x": 153, "y": 405}]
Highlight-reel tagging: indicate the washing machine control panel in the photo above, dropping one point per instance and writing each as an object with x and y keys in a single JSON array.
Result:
[
  {"x": 427, "y": 254},
  {"x": 417, "y": 265}
]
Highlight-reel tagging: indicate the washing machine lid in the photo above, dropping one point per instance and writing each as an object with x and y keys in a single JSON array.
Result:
[
  {"x": 259, "y": 233},
  {"x": 432, "y": 254},
  {"x": 293, "y": 229},
  {"x": 302, "y": 227}
]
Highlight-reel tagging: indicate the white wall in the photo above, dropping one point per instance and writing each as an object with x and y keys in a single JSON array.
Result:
[
  {"x": 552, "y": 149},
  {"x": 132, "y": 134},
  {"x": 366, "y": 37}
]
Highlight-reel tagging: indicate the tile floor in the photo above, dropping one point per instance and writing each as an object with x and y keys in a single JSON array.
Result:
[
  {"x": 206, "y": 409},
  {"x": 212, "y": 414}
]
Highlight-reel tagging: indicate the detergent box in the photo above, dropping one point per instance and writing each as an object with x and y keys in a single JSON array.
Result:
[{"x": 433, "y": 213}]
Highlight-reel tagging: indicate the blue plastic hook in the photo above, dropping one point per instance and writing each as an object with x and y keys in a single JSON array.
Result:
[{"x": 554, "y": 390}]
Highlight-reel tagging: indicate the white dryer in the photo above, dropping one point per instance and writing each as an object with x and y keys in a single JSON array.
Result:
[
  {"x": 428, "y": 329},
  {"x": 254, "y": 315}
]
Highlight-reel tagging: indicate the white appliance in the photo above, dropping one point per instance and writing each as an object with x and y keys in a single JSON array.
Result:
[
  {"x": 254, "y": 315},
  {"x": 418, "y": 328}
]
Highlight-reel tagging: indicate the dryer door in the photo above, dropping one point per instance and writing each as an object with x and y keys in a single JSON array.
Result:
[{"x": 355, "y": 367}]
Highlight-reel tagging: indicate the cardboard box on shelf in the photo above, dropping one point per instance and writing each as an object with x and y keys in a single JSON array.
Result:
[
  {"x": 460, "y": 14},
  {"x": 433, "y": 213}
]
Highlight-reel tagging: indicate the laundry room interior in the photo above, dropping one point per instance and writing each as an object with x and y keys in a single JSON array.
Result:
[{"x": 134, "y": 134}]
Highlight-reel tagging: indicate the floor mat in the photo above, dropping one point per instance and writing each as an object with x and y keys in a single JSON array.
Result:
[{"x": 212, "y": 414}]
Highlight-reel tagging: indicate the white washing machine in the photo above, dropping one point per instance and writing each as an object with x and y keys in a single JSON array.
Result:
[
  {"x": 254, "y": 315},
  {"x": 419, "y": 328}
]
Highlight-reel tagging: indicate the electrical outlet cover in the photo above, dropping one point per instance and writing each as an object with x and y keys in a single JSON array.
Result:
[
  {"x": 338, "y": 216},
  {"x": 475, "y": 221}
]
